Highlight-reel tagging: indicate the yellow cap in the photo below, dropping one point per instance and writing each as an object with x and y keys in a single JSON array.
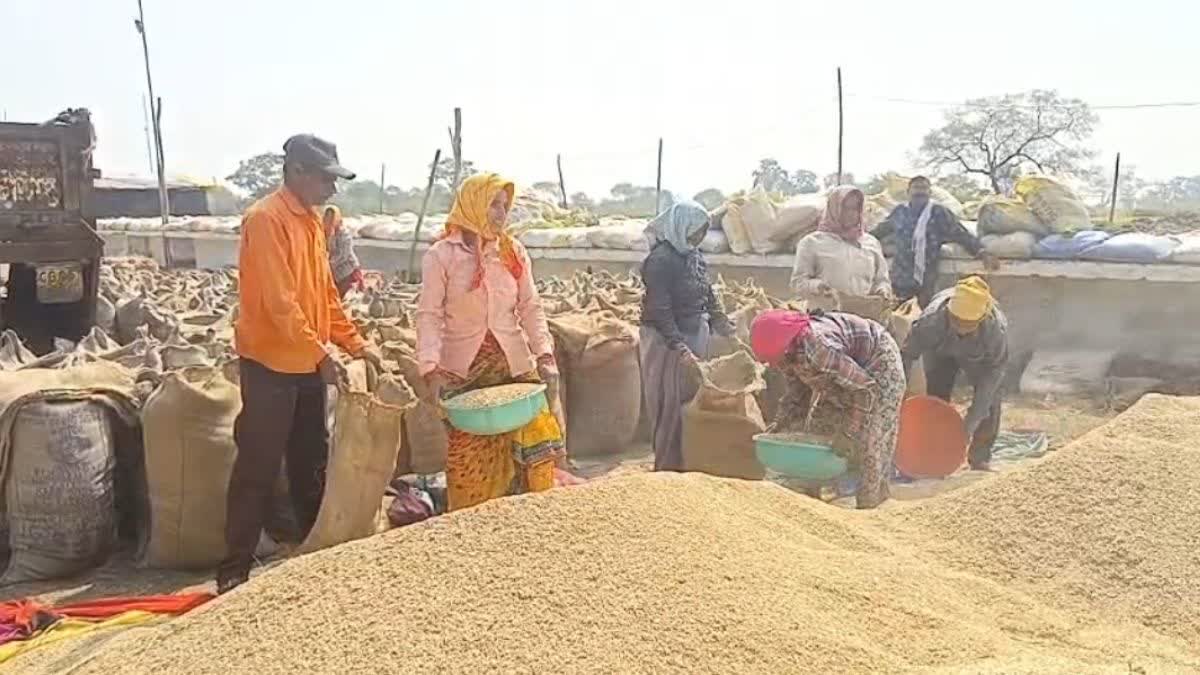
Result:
[{"x": 972, "y": 299}]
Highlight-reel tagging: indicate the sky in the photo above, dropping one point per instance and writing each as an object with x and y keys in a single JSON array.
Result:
[{"x": 724, "y": 84}]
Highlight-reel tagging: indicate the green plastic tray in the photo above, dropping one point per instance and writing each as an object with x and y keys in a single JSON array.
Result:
[
  {"x": 499, "y": 419},
  {"x": 805, "y": 460}
]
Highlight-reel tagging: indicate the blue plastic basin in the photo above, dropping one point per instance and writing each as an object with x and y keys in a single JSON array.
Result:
[
  {"x": 498, "y": 419},
  {"x": 794, "y": 459}
]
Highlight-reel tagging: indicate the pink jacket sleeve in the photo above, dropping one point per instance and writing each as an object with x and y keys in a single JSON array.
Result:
[
  {"x": 530, "y": 312},
  {"x": 431, "y": 312}
]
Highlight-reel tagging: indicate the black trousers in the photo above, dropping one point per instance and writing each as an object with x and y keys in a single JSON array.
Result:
[
  {"x": 940, "y": 374},
  {"x": 283, "y": 415}
]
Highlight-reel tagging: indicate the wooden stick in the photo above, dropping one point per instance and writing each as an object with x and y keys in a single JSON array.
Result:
[
  {"x": 562, "y": 186},
  {"x": 410, "y": 272},
  {"x": 658, "y": 181},
  {"x": 841, "y": 125},
  {"x": 1112, "y": 208},
  {"x": 382, "y": 183},
  {"x": 456, "y": 148}
]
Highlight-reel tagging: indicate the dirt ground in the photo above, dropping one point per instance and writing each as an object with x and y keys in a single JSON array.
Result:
[{"x": 1062, "y": 421}]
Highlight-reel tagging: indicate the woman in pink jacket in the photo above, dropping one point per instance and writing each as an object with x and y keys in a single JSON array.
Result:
[{"x": 480, "y": 323}]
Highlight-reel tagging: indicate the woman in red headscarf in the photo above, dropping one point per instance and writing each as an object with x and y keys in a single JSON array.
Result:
[{"x": 852, "y": 363}]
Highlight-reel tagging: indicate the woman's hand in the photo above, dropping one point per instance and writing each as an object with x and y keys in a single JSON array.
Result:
[
  {"x": 435, "y": 383},
  {"x": 548, "y": 371}
]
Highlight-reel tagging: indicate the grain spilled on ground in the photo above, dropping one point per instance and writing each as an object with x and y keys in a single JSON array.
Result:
[
  {"x": 1081, "y": 564},
  {"x": 1111, "y": 523}
]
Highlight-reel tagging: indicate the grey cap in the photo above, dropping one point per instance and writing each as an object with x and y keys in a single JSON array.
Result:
[{"x": 315, "y": 153}]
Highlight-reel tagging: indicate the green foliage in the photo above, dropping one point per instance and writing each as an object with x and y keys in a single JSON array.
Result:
[
  {"x": 997, "y": 136},
  {"x": 258, "y": 175},
  {"x": 773, "y": 178}
]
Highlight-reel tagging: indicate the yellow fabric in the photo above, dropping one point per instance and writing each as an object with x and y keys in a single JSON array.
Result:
[
  {"x": 65, "y": 629},
  {"x": 470, "y": 213},
  {"x": 480, "y": 468},
  {"x": 972, "y": 299}
]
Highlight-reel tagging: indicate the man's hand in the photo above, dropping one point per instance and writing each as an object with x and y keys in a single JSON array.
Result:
[
  {"x": 372, "y": 356},
  {"x": 333, "y": 373},
  {"x": 990, "y": 262}
]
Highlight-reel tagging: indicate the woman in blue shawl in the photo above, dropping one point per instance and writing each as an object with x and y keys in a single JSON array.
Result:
[{"x": 679, "y": 313}]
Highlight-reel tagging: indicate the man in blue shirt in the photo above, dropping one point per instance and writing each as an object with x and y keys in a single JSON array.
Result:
[{"x": 921, "y": 227}]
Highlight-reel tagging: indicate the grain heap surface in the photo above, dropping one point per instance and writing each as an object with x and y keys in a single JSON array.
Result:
[
  {"x": 491, "y": 397},
  {"x": 644, "y": 573},
  {"x": 1110, "y": 524}
]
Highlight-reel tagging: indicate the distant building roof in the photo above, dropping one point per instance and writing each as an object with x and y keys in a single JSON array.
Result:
[{"x": 140, "y": 183}]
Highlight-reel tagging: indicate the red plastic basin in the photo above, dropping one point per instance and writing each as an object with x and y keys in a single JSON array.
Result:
[{"x": 932, "y": 442}]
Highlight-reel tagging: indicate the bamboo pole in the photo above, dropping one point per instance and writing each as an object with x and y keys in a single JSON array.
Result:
[
  {"x": 562, "y": 186},
  {"x": 164, "y": 204},
  {"x": 456, "y": 148},
  {"x": 410, "y": 272},
  {"x": 841, "y": 125},
  {"x": 1112, "y": 208},
  {"x": 658, "y": 181}
]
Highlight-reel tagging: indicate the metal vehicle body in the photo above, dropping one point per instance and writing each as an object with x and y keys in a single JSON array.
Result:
[{"x": 48, "y": 236}]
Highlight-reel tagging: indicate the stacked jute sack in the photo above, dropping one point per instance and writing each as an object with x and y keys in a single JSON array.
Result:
[
  {"x": 162, "y": 372},
  {"x": 131, "y": 438}
]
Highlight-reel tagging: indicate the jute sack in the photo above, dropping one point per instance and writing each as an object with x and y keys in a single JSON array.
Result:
[
  {"x": 425, "y": 437},
  {"x": 57, "y": 461},
  {"x": 720, "y": 423},
  {"x": 362, "y": 460},
  {"x": 187, "y": 429},
  {"x": 60, "y": 498},
  {"x": 900, "y": 325},
  {"x": 604, "y": 396}
]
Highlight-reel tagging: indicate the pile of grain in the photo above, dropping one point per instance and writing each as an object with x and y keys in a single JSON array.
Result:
[
  {"x": 1109, "y": 525},
  {"x": 491, "y": 397},
  {"x": 692, "y": 574}
]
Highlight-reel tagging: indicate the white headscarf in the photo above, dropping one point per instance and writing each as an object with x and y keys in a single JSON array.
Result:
[{"x": 676, "y": 224}]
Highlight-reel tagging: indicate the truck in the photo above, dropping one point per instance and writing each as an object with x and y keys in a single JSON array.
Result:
[{"x": 48, "y": 239}]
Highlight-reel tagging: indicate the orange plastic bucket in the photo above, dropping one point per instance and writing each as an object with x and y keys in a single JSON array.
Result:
[{"x": 932, "y": 441}]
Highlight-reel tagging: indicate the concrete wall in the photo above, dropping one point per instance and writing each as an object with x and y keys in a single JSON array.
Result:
[{"x": 1058, "y": 310}]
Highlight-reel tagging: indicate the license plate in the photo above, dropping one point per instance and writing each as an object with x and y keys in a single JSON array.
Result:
[{"x": 57, "y": 284}]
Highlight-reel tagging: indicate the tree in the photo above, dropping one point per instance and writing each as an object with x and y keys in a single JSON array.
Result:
[
  {"x": 772, "y": 177},
  {"x": 831, "y": 180},
  {"x": 965, "y": 188},
  {"x": 546, "y": 186},
  {"x": 581, "y": 200},
  {"x": 804, "y": 182},
  {"x": 444, "y": 175},
  {"x": 1181, "y": 192},
  {"x": 710, "y": 198},
  {"x": 258, "y": 175},
  {"x": 995, "y": 137}
]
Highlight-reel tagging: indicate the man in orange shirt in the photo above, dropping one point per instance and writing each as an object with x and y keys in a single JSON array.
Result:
[{"x": 288, "y": 315}]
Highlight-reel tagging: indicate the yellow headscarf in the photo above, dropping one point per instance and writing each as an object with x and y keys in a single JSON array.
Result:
[
  {"x": 972, "y": 299},
  {"x": 470, "y": 214}
]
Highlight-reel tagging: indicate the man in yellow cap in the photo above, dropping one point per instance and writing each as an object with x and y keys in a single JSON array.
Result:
[{"x": 963, "y": 329}]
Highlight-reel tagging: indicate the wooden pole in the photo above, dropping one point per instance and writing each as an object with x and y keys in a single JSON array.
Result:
[
  {"x": 1112, "y": 208},
  {"x": 562, "y": 186},
  {"x": 841, "y": 125},
  {"x": 164, "y": 205},
  {"x": 456, "y": 148},
  {"x": 658, "y": 181},
  {"x": 382, "y": 184},
  {"x": 410, "y": 273}
]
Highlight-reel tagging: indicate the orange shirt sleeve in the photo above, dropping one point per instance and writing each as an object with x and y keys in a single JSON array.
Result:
[
  {"x": 267, "y": 249},
  {"x": 342, "y": 331}
]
